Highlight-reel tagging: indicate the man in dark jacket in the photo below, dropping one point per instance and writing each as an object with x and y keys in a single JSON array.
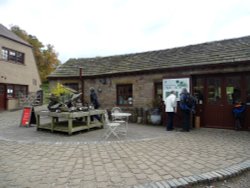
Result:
[
  {"x": 95, "y": 103},
  {"x": 187, "y": 106},
  {"x": 94, "y": 99}
]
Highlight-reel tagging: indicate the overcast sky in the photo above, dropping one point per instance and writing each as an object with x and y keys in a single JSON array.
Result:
[{"x": 90, "y": 28}]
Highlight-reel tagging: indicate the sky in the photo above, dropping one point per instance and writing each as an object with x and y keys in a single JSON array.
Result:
[{"x": 91, "y": 28}]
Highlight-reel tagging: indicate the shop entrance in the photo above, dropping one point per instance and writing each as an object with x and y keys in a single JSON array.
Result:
[
  {"x": 221, "y": 94},
  {"x": 217, "y": 95},
  {"x": 2, "y": 97}
]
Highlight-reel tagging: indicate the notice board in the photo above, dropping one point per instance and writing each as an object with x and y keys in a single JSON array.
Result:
[
  {"x": 28, "y": 117},
  {"x": 175, "y": 84}
]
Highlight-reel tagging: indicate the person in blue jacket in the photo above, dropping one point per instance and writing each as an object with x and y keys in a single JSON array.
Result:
[
  {"x": 239, "y": 113},
  {"x": 187, "y": 106}
]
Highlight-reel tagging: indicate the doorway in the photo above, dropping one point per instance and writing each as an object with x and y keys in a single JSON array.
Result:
[
  {"x": 217, "y": 95},
  {"x": 2, "y": 97}
]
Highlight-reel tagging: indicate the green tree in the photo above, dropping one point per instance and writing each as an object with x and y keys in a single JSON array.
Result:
[
  {"x": 50, "y": 61},
  {"x": 45, "y": 56}
]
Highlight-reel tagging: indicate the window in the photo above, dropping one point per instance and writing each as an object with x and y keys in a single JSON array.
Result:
[
  {"x": 12, "y": 56},
  {"x": 5, "y": 54},
  {"x": 158, "y": 90},
  {"x": 16, "y": 91},
  {"x": 20, "y": 90},
  {"x": 214, "y": 90},
  {"x": 2, "y": 90},
  {"x": 233, "y": 90},
  {"x": 34, "y": 81},
  {"x": 158, "y": 94},
  {"x": 20, "y": 57},
  {"x": 74, "y": 86},
  {"x": 10, "y": 91},
  {"x": 198, "y": 89},
  {"x": 124, "y": 94}
]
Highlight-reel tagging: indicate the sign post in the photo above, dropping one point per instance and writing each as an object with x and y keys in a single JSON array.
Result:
[{"x": 28, "y": 117}]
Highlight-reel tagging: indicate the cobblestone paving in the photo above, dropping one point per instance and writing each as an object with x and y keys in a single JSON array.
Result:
[
  {"x": 31, "y": 158},
  {"x": 242, "y": 181}
]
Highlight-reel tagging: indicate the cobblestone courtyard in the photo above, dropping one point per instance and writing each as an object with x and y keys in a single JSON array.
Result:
[{"x": 148, "y": 157}]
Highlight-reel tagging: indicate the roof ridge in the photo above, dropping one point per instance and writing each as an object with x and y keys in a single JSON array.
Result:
[
  {"x": 160, "y": 50},
  {"x": 214, "y": 52}
]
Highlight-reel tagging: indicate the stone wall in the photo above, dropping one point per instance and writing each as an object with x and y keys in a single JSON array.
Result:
[
  {"x": 143, "y": 88},
  {"x": 22, "y": 74},
  {"x": 143, "y": 92}
]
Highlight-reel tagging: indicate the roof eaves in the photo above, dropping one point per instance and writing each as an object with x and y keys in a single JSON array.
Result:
[{"x": 26, "y": 44}]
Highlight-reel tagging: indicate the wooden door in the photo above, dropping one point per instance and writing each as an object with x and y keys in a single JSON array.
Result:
[
  {"x": 2, "y": 97},
  {"x": 233, "y": 93},
  {"x": 246, "y": 95},
  {"x": 198, "y": 92},
  {"x": 221, "y": 94},
  {"x": 214, "y": 106}
]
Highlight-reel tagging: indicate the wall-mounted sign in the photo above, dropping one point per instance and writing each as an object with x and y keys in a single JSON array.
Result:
[{"x": 175, "y": 84}]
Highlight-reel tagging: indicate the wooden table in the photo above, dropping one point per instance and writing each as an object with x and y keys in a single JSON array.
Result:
[{"x": 70, "y": 121}]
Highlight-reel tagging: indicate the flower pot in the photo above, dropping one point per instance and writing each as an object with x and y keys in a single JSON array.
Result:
[{"x": 155, "y": 119}]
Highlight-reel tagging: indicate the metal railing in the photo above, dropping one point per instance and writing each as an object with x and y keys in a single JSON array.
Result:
[{"x": 32, "y": 99}]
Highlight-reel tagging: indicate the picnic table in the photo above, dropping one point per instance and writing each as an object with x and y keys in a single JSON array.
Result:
[{"x": 70, "y": 121}]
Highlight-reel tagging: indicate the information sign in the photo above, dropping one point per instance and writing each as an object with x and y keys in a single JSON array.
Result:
[{"x": 175, "y": 84}]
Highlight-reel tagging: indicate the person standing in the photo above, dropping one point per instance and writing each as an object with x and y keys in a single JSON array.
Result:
[
  {"x": 95, "y": 103},
  {"x": 170, "y": 108},
  {"x": 187, "y": 106},
  {"x": 239, "y": 114}
]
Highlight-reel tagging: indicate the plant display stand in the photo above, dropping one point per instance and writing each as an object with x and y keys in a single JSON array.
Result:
[{"x": 70, "y": 121}]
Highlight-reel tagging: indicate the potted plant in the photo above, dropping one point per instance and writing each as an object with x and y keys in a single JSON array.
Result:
[{"x": 155, "y": 112}]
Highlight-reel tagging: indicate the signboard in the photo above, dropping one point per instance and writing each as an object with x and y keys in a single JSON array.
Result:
[
  {"x": 28, "y": 117},
  {"x": 175, "y": 84}
]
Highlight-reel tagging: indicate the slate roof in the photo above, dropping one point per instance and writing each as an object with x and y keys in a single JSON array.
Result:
[
  {"x": 4, "y": 32},
  {"x": 210, "y": 53}
]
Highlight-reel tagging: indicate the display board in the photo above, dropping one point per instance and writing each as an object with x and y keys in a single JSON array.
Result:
[
  {"x": 28, "y": 117},
  {"x": 175, "y": 84}
]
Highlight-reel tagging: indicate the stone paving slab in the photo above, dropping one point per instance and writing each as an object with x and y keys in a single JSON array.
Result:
[{"x": 148, "y": 157}]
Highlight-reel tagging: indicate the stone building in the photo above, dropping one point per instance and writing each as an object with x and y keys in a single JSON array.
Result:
[
  {"x": 18, "y": 72},
  {"x": 134, "y": 81}
]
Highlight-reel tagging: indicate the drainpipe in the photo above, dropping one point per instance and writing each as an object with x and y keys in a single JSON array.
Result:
[{"x": 82, "y": 84}]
